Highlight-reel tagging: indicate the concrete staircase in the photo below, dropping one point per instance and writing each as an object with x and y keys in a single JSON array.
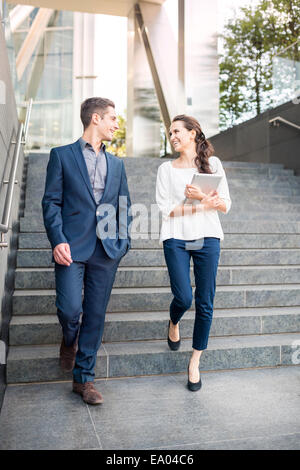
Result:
[{"x": 257, "y": 302}]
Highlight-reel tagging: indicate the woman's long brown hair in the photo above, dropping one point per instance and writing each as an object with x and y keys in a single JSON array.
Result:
[{"x": 204, "y": 148}]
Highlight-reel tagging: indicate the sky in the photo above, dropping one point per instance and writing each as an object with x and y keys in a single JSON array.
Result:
[{"x": 112, "y": 69}]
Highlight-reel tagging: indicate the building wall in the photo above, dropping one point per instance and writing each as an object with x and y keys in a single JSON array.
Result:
[
  {"x": 257, "y": 140},
  {"x": 8, "y": 130},
  {"x": 201, "y": 63}
]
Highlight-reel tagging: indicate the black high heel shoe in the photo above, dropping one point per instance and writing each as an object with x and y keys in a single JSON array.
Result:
[
  {"x": 174, "y": 345},
  {"x": 193, "y": 386}
]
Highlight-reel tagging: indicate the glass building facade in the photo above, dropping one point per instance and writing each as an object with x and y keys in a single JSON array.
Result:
[
  {"x": 69, "y": 62},
  {"x": 47, "y": 78}
]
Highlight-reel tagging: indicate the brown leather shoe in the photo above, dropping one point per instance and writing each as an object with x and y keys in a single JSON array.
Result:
[
  {"x": 88, "y": 392},
  {"x": 67, "y": 356}
]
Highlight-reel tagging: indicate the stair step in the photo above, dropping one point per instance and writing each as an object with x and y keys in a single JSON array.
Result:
[
  {"x": 235, "y": 179},
  {"x": 134, "y": 174},
  {"x": 252, "y": 226},
  {"x": 136, "y": 181},
  {"x": 235, "y": 182},
  {"x": 238, "y": 192},
  {"x": 241, "y": 164},
  {"x": 231, "y": 240},
  {"x": 153, "y": 299},
  {"x": 35, "y": 223},
  {"x": 130, "y": 162},
  {"x": 40, "y": 363},
  {"x": 238, "y": 189},
  {"x": 237, "y": 208},
  {"x": 38, "y": 167},
  {"x": 45, "y": 329},
  {"x": 44, "y": 278},
  {"x": 40, "y": 160},
  {"x": 33, "y": 206},
  {"x": 142, "y": 257},
  {"x": 255, "y": 215}
]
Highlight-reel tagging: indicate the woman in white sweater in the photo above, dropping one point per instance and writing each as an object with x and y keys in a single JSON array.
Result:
[{"x": 191, "y": 231}]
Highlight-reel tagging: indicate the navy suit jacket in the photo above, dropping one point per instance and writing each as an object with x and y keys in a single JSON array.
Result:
[{"x": 69, "y": 206}]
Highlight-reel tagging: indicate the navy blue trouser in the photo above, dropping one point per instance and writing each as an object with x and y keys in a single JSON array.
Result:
[
  {"x": 205, "y": 254},
  {"x": 96, "y": 276}
]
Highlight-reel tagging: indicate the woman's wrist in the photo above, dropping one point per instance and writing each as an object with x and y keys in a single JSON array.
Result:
[
  {"x": 199, "y": 196},
  {"x": 198, "y": 208}
]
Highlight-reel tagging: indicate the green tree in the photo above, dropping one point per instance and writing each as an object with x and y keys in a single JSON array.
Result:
[
  {"x": 250, "y": 42},
  {"x": 286, "y": 19},
  {"x": 118, "y": 144}
]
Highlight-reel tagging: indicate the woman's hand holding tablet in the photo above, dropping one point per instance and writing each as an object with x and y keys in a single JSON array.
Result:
[
  {"x": 202, "y": 185},
  {"x": 194, "y": 192}
]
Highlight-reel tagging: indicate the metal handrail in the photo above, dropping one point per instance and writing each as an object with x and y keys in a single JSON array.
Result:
[
  {"x": 26, "y": 124},
  {"x": 286, "y": 48},
  {"x": 4, "y": 226},
  {"x": 279, "y": 118},
  {"x": 21, "y": 139}
]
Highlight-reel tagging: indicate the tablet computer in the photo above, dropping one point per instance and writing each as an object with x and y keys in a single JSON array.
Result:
[{"x": 206, "y": 182}]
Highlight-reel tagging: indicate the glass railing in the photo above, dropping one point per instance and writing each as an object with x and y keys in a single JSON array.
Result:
[
  {"x": 279, "y": 84},
  {"x": 286, "y": 75}
]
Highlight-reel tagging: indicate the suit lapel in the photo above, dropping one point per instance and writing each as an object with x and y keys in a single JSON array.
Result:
[
  {"x": 109, "y": 164},
  {"x": 82, "y": 166}
]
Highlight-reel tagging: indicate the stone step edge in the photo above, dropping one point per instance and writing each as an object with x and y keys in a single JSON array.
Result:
[
  {"x": 157, "y": 290},
  {"x": 132, "y": 315},
  {"x": 160, "y": 249},
  {"x": 286, "y": 199},
  {"x": 268, "y": 267},
  {"x": 35, "y": 235},
  {"x": 40, "y": 363},
  {"x": 159, "y": 322},
  {"x": 36, "y": 155},
  {"x": 28, "y": 352},
  {"x": 219, "y": 312},
  {"x": 295, "y": 230},
  {"x": 37, "y": 218},
  {"x": 285, "y": 209},
  {"x": 153, "y": 316},
  {"x": 139, "y": 278}
]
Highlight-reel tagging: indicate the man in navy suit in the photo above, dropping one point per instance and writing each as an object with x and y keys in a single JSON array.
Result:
[{"x": 86, "y": 215}]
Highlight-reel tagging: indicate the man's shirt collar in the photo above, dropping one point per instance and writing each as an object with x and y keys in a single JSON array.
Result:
[{"x": 84, "y": 144}]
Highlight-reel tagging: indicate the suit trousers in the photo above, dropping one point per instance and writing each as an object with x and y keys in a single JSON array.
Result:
[
  {"x": 96, "y": 276},
  {"x": 205, "y": 254}
]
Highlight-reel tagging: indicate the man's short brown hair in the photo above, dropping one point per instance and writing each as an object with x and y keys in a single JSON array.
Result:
[{"x": 94, "y": 105}]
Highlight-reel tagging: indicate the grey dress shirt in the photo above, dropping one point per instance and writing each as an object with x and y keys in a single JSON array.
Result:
[{"x": 96, "y": 167}]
